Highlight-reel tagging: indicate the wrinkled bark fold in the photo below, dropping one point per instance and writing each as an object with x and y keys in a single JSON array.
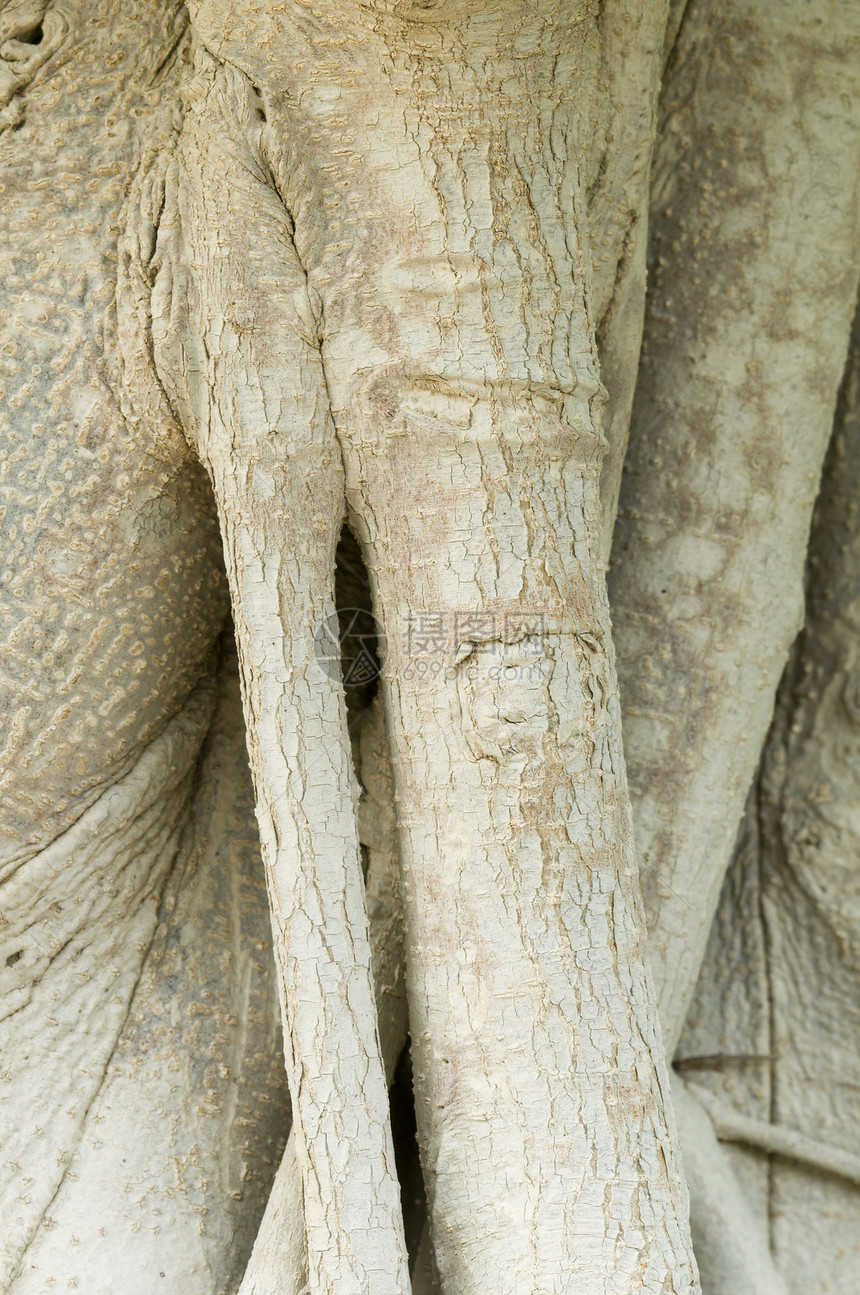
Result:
[
  {"x": 243, "y": 369},
  {"x": 755, "y": 248},
  {"x": 467, "y": 415}
]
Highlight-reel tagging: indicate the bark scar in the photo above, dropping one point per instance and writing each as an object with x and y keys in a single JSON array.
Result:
[{"x": 30, "y": 34}]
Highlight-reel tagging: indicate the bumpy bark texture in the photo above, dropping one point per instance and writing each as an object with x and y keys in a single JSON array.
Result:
[
  {"x": 278, "y": 1265},
  {"x": 179, "y": 1146},
  {"x": 112, "y": 596},
  {"x": 772, "y": 1037},
  {"x": 755, "y": 247},
  {"x": 754, "y": 262},
  {"x": 385, "y": 262},
  {"x": 367, "y": 253},
  {"x": 111, "y": 603}
]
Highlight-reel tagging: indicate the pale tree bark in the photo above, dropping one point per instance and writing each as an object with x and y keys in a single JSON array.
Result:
[
  {"x": 428, "y": 393},
  {"x": 755, "y": 242},
  {"x": 278, "y": 1265},
  {"x": 755, "y": 247},
  {"x": 178, "y": 1149},
  {"x": 111, "y": 605},
  {"x": 771, "y": 1038},
  {"x": 267, "y": 439},
  {"x": 386, "y": 263}
]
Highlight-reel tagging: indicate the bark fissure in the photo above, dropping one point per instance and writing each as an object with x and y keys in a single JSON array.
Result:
[
  {"x": 462, "y": 379},
  {"x": 385, "y": 262}
]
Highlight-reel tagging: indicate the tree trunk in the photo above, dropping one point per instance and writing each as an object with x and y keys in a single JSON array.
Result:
[
  {"x": 466, "y": 418},
  {"x": 174, "y": 1156},
  {"x": 770, "y": 1041},
  {"x": 381, "y": 266},
  {"x": 752, "y": 294}
]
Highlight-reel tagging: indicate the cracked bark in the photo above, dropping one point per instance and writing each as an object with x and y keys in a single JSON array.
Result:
[
  {"x": 748, "y": 319},
  {"x": 430, "y": 389},
  {"x": 268, "y": 443},
  {"x": 384, "y": 271}
]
